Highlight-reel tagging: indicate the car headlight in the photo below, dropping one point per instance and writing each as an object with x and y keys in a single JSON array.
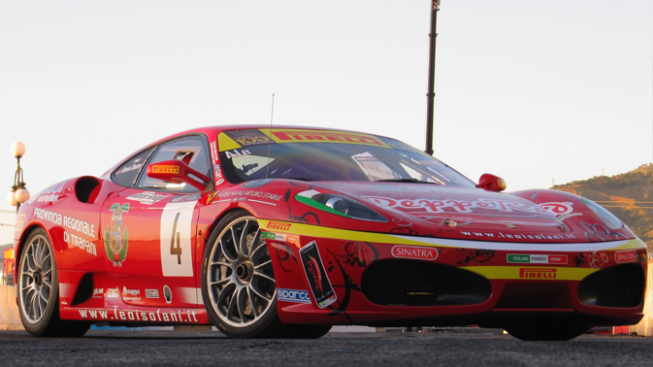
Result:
[
  {"x": 608, "y": 218},
  {"x": 339, "y": 205}
]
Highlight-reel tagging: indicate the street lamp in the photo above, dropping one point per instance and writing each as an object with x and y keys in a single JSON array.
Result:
[{"x": 19, "y": 193}]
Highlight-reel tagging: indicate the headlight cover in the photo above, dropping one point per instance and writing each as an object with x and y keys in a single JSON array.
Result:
[
  {"x": 338, "y": 205},
  {"x": 608, "y": 218}
]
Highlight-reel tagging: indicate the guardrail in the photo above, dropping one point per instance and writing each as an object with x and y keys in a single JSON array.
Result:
[{"x": 9, "y": 317}]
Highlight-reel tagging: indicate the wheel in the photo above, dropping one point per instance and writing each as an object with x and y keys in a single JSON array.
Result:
[
  {"x": 39, "y": 291},
  {"x": 547, "y": 333},
  {"x": 238, "y": 283}
]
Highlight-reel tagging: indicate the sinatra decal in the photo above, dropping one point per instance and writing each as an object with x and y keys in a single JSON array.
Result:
[
  {"x": 116, "y": 239},
  {"x": 293, "y": 295},
  {"x": 412, "y": 252},
  {"x": 538, "y": 273},
  {"x": 460, "y": 206},
  {"x": 625, "y": 256},
  {"x": 537, "y": 259}
]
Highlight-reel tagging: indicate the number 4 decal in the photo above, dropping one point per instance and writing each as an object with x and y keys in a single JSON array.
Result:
[{"x": 176, "y": 227}]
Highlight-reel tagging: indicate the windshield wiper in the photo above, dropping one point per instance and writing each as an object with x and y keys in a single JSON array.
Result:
[{"x": 414, "y": 180}]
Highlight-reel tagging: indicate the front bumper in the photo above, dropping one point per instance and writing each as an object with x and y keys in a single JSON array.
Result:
[{"x": 390, "y": 280}]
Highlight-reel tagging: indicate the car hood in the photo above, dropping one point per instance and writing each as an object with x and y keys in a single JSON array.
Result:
[{"x": 458, "y": 212}]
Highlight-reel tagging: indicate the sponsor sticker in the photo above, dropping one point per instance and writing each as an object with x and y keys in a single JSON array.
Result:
[
  {"x": 131, "y": 294},
  {"x": 290, "y": 238},
  {"x": 151, "y": 293},
  {"x": 538, "y": 273},
  {"x": 113, "y": 293},
  {"x": 413, "y": 252},
  {"x": 319, "y": 282},
  {"x": 537, "y": 259},
  {"x": 167, "y": 294},
  {"x": 147, "y": 197},
  {"x": 293, "y": 295},
  {"x": 625, "y": 256},
  {"x": 163, "y": 168},
  {"x": 174, "y": 316},
  {"x": 316, "y": 136},
  {"x": 279, "y": 226}
]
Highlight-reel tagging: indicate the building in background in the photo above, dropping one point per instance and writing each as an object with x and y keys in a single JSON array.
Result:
[{"x": 7, "y": 264}]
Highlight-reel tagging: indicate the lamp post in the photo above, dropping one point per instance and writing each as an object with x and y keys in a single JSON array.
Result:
[
  {"x": 435, "y": 6},
  {"x": 19, "y": 193}
]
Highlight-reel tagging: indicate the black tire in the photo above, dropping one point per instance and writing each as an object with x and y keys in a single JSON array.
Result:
[
  {"x": 304, "y": 331},
  {"x": 238, "y": 285},
  {"x": 547, "y": 333},
  {"x": 38, "y": 295}
]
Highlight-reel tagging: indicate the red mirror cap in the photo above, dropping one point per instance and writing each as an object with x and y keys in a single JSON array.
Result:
[
  {"x": 491, "y": 183},
  {"x": 176, "y": 171}
]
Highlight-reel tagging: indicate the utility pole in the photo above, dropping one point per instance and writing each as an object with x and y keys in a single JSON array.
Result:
[{"x": 435, "y": 6}]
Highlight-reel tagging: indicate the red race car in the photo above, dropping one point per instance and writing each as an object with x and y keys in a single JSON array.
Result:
[{"x": 285, "y": 231}]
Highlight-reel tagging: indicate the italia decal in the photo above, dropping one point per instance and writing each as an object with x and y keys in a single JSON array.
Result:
[{"x": 175, "y": 239}]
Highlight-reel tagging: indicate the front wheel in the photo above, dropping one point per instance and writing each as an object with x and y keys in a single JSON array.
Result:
[
  {"x": 238, "y": 284},
  {"x": 38, "y": 291}
]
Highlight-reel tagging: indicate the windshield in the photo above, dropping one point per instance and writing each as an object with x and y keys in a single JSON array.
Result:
[{"x": 318, "y": 155}]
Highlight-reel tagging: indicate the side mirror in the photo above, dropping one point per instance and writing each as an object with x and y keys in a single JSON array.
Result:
[
  {"x": 177, "y": 172},
  {"x": 491, "y": 183}
]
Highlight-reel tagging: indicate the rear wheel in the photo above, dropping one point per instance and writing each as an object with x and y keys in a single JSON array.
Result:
[
  {"x": 546, "y": 333},
  {"x": 38, "y": 294}
]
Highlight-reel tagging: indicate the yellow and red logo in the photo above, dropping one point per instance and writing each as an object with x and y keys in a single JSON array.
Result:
[
  {"x": 279, "y": 226},
  {"x": 537, "y": 273},
  {"x": 165, "y": 169},
  {"x": 310, "y": 136}
]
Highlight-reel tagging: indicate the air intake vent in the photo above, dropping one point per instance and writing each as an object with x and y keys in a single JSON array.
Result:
[{"x": 418, "y": 283}]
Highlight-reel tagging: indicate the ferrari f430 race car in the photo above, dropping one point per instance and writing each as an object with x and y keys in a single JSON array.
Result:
[{"x": 286, "y": 231}]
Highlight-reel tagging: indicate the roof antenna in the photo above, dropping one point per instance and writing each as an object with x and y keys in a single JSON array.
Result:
[{"x": 267, "y": 175}]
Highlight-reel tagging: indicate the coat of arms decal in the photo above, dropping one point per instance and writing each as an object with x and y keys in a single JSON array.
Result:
[{"x": 116, "y": 238}]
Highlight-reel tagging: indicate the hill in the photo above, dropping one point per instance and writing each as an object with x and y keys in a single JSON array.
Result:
[{"x": 629, "y": 196}]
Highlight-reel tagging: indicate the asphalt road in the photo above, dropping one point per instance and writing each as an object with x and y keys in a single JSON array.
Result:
[{"x": 193, "y": 348}]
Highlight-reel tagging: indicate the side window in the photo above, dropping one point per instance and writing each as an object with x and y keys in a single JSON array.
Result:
[
  {"x": 126, "y": 174},
  {"x": 192, "y": 150}
]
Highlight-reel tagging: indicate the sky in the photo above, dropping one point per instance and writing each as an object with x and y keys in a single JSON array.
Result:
[{"x": 535, "y": 92}]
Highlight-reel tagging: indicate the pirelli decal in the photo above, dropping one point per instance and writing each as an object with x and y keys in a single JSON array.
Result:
[
  {"x": 530, "y": 272},
  {"x": 236, "y": 139}
]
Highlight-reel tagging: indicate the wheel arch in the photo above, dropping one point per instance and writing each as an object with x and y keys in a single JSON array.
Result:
[{"x": 20, "y": 245}]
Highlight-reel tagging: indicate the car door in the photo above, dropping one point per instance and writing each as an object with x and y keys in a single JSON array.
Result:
[{"x": 150, "y": 231}]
